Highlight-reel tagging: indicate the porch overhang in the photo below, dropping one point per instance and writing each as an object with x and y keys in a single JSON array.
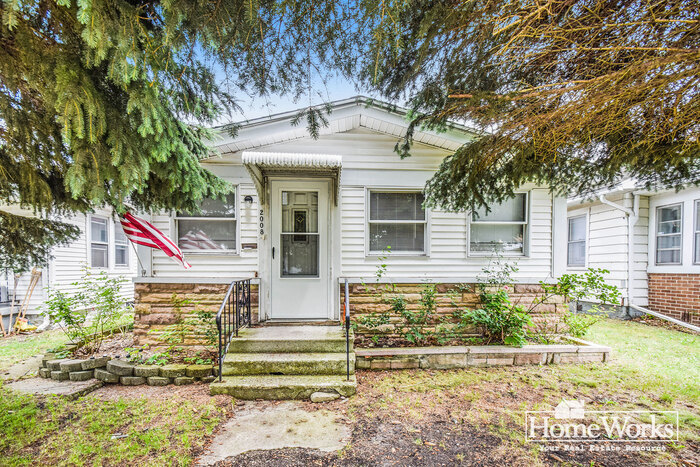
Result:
[{"x": 262, "y": 165}]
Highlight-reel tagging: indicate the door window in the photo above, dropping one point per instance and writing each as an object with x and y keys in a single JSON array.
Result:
[{"x": 299, "y": 240}]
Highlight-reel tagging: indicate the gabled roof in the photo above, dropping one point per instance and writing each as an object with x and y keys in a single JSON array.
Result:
[{"x": 345, "y": 115}]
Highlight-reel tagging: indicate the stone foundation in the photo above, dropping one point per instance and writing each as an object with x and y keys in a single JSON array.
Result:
[
  {"x": 164, "y": 307},
  {"x": 368, "y": 299}
]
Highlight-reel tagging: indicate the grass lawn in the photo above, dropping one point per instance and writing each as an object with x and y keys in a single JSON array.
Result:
[
  {"x": 413, "y": 417},
  {"x": 17, "y": 348}
]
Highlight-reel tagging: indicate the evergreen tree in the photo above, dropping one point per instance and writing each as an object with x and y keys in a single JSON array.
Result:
[
  {"x": 573, "y": 93},
  {"x": 106, "y": 102}
]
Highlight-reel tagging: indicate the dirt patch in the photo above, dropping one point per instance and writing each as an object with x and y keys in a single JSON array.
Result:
[
  {"x": 458, "y": 417},
  {"x": 661, "y": 323},
  {"x": 122, "y": 345},
  {"x": 113, "y": 346},
  {"x": 197, "y": 392}
]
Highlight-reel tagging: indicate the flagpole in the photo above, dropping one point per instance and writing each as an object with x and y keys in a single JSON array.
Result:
[{"x": 143, "y": 270}]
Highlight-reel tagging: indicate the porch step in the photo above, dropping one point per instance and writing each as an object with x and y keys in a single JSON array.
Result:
[
  {"x": 282, "y": 387},
  {"x": 289, "y": 339},
  {"x": 238, "y": 364}
]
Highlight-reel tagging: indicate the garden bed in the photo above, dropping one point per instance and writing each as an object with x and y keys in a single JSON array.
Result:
[{"x": 570, "y": 350}]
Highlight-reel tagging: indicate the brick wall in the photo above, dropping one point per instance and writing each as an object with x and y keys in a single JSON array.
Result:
[
  {"x": 160, "y": 306},
  {"x": 366, "y": 299},
  {"x": 676, "y": 295}
]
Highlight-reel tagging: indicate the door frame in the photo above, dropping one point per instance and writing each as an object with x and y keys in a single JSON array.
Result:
[{"x": 300, "y": 183}]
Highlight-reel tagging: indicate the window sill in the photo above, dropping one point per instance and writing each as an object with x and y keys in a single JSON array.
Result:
[
  {"x": 490, "y": 254},
  {"x": 210, "y": 253},
  {"x": 404, "y": 254}
]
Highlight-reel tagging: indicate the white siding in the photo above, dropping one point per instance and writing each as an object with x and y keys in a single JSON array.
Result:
[
  {"x": 607, "y": 242},
  {"x": 68, "y": 265},
  {"x": 369, "y": 161}
]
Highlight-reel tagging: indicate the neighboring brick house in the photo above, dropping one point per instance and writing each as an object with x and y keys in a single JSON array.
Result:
[{"x": 658, "y": 265}]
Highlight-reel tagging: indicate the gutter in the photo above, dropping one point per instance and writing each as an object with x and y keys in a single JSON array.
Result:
[{"x": 632, "y": 218}]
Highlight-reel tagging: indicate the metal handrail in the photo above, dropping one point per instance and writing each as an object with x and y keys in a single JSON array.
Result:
[
  {"x": 347, "y": 328},
  {"x": 234, "y": 314}
]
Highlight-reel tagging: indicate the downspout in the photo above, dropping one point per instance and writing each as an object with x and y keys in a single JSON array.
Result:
[{"x": 632, "y": 218}]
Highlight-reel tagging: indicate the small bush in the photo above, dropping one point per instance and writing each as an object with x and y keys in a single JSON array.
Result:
[{"x": 94, "y": 309}]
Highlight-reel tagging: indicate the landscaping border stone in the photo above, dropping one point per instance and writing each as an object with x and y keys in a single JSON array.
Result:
[
  {"x": 446, "y": 357},
  {"x": 117, "y": 371}
]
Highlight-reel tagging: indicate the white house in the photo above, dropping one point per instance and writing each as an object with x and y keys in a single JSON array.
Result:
[
  {"x": 650, "y": 242},
  {"x": 306, "y": 214},
  {"x": 101, "y": 246}
]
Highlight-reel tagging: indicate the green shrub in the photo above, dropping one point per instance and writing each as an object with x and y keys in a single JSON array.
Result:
[{"x": 93, "y": 310}]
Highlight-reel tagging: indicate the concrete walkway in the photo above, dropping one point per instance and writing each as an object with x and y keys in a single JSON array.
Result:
[
  {"x": 286, "y": 425},
  {"x": 29, "y": 367},
  {"x": 41, "y": 386}
]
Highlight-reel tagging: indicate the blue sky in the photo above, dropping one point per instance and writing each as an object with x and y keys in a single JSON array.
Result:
[{"x": 335, "y": 89}]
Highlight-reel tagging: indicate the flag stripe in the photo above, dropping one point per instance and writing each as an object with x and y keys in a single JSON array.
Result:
[{"x": 142, "y": 232}]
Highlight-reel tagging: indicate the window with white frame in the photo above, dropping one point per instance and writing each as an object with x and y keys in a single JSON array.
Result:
[
  {"x": 212, "y": 229},
  {"x": 397, "y": 222},
  {"x": 696, "y": 254},
  {"x": 669, "y": 229},
  {"x": 121, "y": 246},
  {"x": 576, "y": 252},
  {"x": 99, "y": 242},
  {"x": 503, "y": 228}
]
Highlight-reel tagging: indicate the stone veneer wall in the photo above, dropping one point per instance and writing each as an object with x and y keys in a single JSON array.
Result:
[
  {"x": 371, "y": 298},
  {"x": 676, "y": 295},
  {"x": 156, "y": 308}
]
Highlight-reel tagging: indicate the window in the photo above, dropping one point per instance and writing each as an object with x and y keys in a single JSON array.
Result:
[
  {"x": 576, "y": 253},
  {"x": 212, "y": 229},
  {"x": 98, "y": 242},
  {"x": 669, "y": 228},
  {"x": 696, "y": 255},
  {"x": 503, "y": 228},
  {"x": 121, "y": 246},
  {"x": 397, "y": 221}
]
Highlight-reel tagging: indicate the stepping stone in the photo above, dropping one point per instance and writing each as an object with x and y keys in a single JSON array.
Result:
[
  {"x": 69, "y": 389},
  {"x": 324, "y": 396}
]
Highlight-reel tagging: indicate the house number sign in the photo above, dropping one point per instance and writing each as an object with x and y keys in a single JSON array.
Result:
[{"x": 262, "y": 223}]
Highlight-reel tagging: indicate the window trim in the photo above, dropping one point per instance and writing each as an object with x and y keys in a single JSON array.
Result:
[
  {"x": 526, "y": 240},
  {"x": 656, "y": 235},
  {"x": 107, "y": 243},
  {"x": 367, "y": 221},
  {"x": 175, "y": 228},
  {"x": 125, "y": 244},
  {"x": 695, "y": 230},
  {"x": 585, "y": 241}
]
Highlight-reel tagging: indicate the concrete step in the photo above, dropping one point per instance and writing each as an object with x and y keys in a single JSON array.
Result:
[
  {"x": 238, "y": 364},
  {"x": 282, "y": 387},
  {"x": 290, "y": 339}
]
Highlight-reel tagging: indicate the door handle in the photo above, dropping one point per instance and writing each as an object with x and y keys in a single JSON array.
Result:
[{"x": 273, "y": 252}]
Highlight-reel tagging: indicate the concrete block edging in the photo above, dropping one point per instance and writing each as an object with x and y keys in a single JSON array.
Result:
[{"x": 578, "y": 351}]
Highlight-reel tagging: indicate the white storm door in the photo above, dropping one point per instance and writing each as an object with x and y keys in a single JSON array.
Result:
[{"x": 300, "y": 273}]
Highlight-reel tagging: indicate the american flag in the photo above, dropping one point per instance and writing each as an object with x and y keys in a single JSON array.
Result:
[
  {"x": 198, "y": 241},
  {"x": 142, "y": 232}
]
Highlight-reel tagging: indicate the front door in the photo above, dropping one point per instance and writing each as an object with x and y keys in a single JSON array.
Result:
[{"x": 300, "y": 282}]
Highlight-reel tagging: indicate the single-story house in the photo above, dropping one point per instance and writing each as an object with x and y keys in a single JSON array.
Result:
[
  {"x": 650, "y": 242},
  {"x": 305, "y": 215},
  {"x": 101, "y": 246}
]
